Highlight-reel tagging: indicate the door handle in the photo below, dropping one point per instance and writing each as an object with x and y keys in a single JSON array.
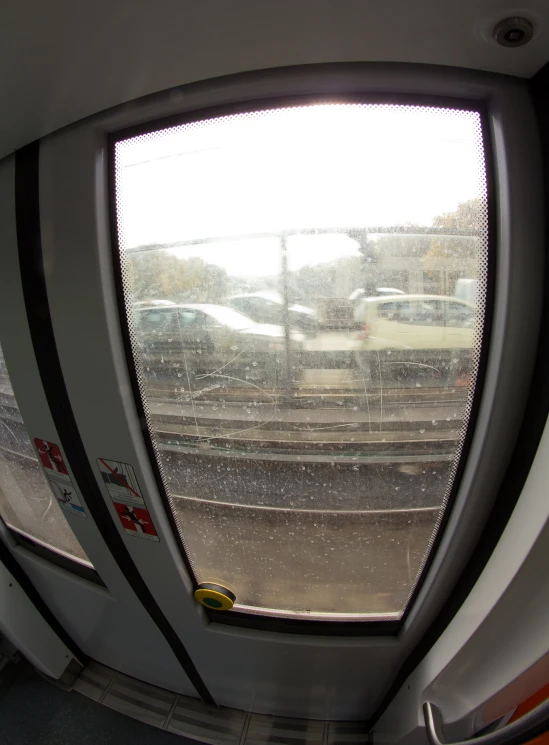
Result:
[{"x": 531, "y": 725}]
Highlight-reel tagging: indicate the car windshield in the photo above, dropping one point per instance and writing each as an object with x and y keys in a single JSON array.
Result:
[{"x": 227, "y": 316}]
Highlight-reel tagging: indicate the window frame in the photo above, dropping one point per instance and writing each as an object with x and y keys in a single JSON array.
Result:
[{"x": 482, "y": 106}]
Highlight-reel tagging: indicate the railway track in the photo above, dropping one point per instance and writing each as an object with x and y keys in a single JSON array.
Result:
[
  {"x": 396, "y": 426},
  {"x": 317, "y": 396}
]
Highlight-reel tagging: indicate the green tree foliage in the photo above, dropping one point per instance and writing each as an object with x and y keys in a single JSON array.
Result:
[
  {"x": 332, "y": 279},
  {"x": 467, "y": 216},
  {"x": 156, "y": 274},
  {"x": 434, "y": 251}
]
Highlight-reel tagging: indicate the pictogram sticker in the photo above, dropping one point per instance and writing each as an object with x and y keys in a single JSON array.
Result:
[
  {"x": 51, "y": 457},
  {"x": 67, "y": 497},
  {"x": 136, "y": 520},
  {"x": 58, "y": 476},
  {"x": 121, "y": 483}
]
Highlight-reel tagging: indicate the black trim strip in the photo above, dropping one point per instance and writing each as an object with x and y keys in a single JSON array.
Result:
[
  {"x": 27, "y": 203},
  {"x": 531, "y": 430},
  {"x": 34, "y": 596},
  {"x": 304, "y": 626}
]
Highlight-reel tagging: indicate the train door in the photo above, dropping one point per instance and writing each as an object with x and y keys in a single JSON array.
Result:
[{"x": 291, "y": 532}]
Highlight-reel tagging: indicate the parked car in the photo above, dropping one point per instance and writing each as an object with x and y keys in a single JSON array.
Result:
[
  {"x": 150, "y": 303},
  {"x": 267, "y": 306},
  {"x": 193, "y": 341},
  {"x": 410, "y": 335},
  {"x": 358, "y": 295}
]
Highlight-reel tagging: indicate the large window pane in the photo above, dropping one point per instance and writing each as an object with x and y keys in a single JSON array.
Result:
[
  {"x": 305, "y": 288},
  {"x": 27, "y": 502}
]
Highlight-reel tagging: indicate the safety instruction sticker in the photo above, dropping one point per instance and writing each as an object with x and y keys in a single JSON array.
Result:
[
  {"x": 50, "y": 457},
  {"x": 121, "y": 483},
  {"x": 58, "y": 477},
  {"x": 67, "y": 498}
]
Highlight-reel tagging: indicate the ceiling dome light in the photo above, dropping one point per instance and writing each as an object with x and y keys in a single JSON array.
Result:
[{"x": 513, "y": 32}]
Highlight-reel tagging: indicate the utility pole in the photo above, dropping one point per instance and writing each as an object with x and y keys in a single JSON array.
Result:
[
  {"x": 289, "y": 385},
  {"x": 369, "y": 260}
]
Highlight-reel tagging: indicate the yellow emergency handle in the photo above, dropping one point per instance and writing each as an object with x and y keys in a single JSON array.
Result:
[{"x": 214, "y": 597}]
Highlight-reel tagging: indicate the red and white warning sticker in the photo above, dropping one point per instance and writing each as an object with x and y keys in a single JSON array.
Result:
[
  {"x": 58, "y": 477},
  {"x": 121, "y": 483},
  {"x": 50, "y": 457},
  {"x": 136, "y": 520}
]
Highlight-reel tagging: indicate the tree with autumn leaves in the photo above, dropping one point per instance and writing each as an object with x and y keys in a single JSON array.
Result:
[
  {"x": 467, "y": 218},
  {"x": 156, "y": 273}
]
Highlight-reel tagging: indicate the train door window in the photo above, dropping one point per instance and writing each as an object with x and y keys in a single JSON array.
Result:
[
  {"x": 297, "y": 476},
  {"x": 28, "y": 503}
]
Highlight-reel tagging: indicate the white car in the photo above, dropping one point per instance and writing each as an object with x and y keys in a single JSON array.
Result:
[{"x": 433, "y": 332}]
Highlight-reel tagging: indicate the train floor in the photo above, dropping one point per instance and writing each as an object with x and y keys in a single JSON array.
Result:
[{"x": 33, "y": 711}]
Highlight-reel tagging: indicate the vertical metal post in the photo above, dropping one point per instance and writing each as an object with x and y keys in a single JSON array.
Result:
[{"x": 286, "y": 317}]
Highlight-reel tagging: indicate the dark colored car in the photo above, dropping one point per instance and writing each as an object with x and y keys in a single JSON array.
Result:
[
  {"x": 207, "y": 341},
  {"x": 267, "y": 306}
]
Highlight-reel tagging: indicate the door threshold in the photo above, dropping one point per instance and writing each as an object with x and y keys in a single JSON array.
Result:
[{"x": 189, "y": 717}]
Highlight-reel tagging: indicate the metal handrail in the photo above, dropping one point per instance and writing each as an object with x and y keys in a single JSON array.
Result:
[{"x": 529, "y": 726}]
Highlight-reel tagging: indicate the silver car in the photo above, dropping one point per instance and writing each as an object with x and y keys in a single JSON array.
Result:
[{"x": 207, "y": 340}]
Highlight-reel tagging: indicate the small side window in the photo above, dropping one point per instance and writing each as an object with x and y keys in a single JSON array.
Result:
[
  {"x": 156, "y": 321},
  {"x": 30, "y": 503},
  {"x": 391, "y": 311},
  {"x": 187, "y": 318},
  {"x": 428, "y": 314}
]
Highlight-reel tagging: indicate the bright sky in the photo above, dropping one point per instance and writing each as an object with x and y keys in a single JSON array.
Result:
[{"x": 332, "y": 165}]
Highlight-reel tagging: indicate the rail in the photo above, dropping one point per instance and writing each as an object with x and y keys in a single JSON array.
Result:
[{"x": 529, "y": 726}]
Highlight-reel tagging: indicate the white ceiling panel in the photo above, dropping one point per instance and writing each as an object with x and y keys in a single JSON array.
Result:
[{"x": 64, "y": 60}]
